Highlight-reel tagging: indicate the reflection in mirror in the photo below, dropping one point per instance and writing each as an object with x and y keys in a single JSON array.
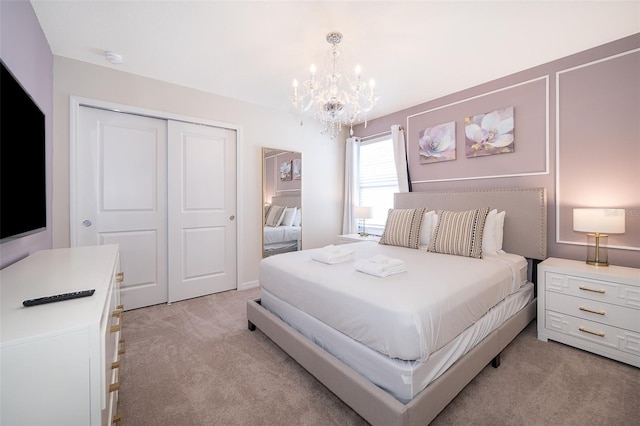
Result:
[{"x": 282, "y": 201}]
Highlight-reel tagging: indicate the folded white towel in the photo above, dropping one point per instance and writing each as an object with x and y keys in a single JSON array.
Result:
[
  {"x": 332, "y": 254},
  {"x": 380, "y": 266}
]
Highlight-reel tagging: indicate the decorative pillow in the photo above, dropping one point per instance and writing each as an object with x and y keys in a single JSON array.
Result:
[
  {"x": 274, "y": 217},
  {"x": 428, "y": 225},
  {"x": 403, "y": 227},
  {"x": 459, "y": 233},
  {"x": 297, "y": 221},
  {"x": 266, "y": 211},
  {"x": 499, "y": 233},
  {"x": 489, "y": 233},
  {"x": 289, "y": 216}
]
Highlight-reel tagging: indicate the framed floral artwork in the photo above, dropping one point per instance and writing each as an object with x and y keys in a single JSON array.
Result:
[
  {"x": 297, "y": 169},
  {"x": 285, "y": 170},
  {"x": 490, "y": 133},
  {"x": 437, "y": 143}
]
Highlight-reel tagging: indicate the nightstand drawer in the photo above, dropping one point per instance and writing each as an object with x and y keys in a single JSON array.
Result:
[
  {"x": 601, "y": 334},
  {"x": 593, "y": 310},
  {"x": 604, "y": 291}
]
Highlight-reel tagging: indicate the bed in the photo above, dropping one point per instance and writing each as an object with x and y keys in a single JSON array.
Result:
[
  {"x": 285, "y": 236},
  {"x": 418, "y": 359}
]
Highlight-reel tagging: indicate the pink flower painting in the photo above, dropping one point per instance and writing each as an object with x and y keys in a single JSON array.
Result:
[
  {"x": 437, "y": 143},
  {"x": 490, "y": 133}
]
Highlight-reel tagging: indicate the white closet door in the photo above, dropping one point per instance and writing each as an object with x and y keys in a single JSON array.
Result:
[
  {"x": 202, "y": 209},
  {"x": 120, "y": 197}
]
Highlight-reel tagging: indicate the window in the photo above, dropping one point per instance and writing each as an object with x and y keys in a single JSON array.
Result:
[{"x": 377, "y": 181}]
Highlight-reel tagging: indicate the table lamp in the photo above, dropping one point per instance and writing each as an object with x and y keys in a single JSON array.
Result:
[
  {"x": 364, "y": 213},
  {"x": 597, "y": 223}
]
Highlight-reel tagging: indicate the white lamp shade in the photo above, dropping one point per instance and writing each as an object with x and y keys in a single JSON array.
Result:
[
  {"x": 364, "y": 212},
  {"x": 605, "y": 221}
]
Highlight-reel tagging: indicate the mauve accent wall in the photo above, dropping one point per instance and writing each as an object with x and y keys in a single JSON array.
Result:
[
  {"x": 25, "y": 51},
  {"x": 577, "y": 134},
  {"x": 272, "y": 184}
]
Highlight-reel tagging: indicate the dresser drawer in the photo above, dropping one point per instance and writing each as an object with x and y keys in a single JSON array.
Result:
[
  {"x": 594, "y": 310},
  {"x": 600, "y": 334},
  {"x": 599, "y": 290}
]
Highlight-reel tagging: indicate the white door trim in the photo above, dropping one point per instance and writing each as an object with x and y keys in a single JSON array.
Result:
[{"x": 75, "y": 102}]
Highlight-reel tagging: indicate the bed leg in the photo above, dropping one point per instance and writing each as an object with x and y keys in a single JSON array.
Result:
[
  {"x": 251, "y": 326},
  {"x": 495, "y": 362}
]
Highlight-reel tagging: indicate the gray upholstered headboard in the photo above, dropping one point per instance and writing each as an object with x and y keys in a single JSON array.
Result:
[
  {"x": 286, "y": 200},
  {"x": 525, "y": 224}
]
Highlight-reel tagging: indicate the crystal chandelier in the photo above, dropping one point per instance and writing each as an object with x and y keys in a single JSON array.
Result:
[{"x": 334, "y": 97}]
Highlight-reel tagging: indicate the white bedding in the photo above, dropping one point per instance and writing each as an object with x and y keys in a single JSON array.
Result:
[
  {"x": 407, "y": 315},
  {"x": 281, "y": 234}
]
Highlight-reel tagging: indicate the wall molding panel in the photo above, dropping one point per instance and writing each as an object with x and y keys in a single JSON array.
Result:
[{"x": 598, "y": 144}]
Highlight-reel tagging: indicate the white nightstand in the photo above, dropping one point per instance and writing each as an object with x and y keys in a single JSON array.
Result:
[
  {"x": 352, "y": 238},
  {"x": 594, "y": 308}
]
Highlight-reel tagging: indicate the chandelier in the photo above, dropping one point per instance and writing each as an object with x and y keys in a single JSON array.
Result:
[{"x": 334, "y": 97}]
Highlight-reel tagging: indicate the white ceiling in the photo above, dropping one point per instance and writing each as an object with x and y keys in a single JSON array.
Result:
[{"x": 252, "y": 51}]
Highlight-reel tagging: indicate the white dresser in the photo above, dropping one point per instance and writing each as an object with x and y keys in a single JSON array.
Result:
[
  {"x": 60, "y": 361},
  {"x": 594, "y": 308}
]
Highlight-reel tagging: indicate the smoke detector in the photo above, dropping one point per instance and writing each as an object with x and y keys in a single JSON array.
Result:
[{"x": 113, "y": 57}]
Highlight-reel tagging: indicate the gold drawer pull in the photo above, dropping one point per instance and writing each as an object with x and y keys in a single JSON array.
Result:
[
  {"x": 595, "y": 333},
  {"x": 117, "y": 418},
  {"x": 582, "y": 308},
  {"x": 114, "y": 328},
  {"x": 117, "y": 313},
  {"x": 115, "y": 386},
  {"x": 121, "y": 347},
  {"x": 120, "y": 307},
  {"x": 120, "y": 277},
  {"x": 592, "y": 290},
  {"x": 115, "y": 364}
]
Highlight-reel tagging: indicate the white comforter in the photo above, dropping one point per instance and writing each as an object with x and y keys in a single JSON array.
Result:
[
  {"x": 281, "y": 234},
  {"x": 407, "y": 315}
]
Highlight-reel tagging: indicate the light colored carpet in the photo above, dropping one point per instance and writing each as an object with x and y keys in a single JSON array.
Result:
[{"x": 195, "y": 363}]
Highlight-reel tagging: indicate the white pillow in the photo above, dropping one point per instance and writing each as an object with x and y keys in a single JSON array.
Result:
[
  {"x": 489, "y": 245},
  {"x": 499, "y": 233},
  {"x": 289, "y": 216},
  {"x": 428, "y": 225},
  {"x": 298, "y": 219}
]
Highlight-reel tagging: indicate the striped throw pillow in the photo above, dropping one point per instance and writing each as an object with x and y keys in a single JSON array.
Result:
[
  {"x": 275, "y": 215},
  {"x": 459, "y": 233},
  {"x": 403, "y": 227}
]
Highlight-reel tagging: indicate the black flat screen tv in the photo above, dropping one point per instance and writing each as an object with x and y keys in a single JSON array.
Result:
[{"x": 23, "y": 193}]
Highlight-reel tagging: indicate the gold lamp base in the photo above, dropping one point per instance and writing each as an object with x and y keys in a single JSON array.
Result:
[
  {"x": 597, "y": 253},
  {"x": 364, "y": 227}
]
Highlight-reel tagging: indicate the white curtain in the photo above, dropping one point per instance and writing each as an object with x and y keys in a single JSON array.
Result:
[
  {"x": 352, "y": 152},
  {"x": 400, "y": 157}
]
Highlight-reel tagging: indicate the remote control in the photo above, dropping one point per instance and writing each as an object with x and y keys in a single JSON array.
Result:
[{"x": 58, "y": 297}]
